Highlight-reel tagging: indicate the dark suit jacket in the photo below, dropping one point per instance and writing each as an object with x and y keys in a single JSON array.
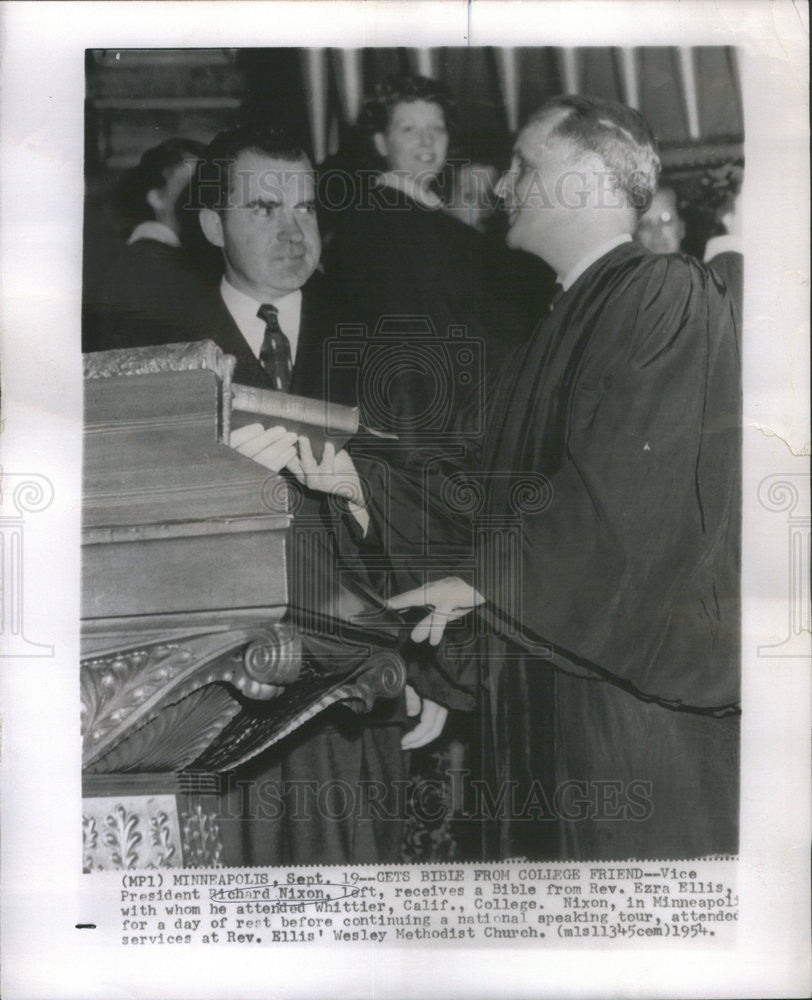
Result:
[
  {"x": 141, "y": 310},
  {"x": 209, "y": 319}
]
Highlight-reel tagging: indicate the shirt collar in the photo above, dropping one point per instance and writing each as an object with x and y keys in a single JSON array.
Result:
[
  {"x": 243, "y": 309},
  {"x": 404, "y": 183},
  {"x": 589, "y": 259},
  {"x": 152, "y": 230}
]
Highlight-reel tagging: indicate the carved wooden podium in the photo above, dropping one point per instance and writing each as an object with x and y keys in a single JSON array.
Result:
[{"x": 187, "y": 622}]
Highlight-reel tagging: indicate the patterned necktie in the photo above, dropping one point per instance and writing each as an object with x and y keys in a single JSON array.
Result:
[{"x": 274, "y": 355}]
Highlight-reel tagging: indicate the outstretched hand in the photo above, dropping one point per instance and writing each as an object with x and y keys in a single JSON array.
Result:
[{"x": 446, "y": 599}]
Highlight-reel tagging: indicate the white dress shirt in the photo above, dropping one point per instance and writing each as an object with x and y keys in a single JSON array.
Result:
[
  {"x": 243, "y": 311},
  {"x": 587, "y": 261}
]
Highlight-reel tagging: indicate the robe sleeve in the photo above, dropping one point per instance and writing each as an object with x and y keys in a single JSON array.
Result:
[{"x": 632, "y": 569}]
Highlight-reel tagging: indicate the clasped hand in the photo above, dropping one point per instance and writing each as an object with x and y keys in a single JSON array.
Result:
[{"x": 277, "y": 449}]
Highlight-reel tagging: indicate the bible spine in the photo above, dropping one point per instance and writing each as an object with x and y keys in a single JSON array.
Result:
[{"x": 330, "y": 417}]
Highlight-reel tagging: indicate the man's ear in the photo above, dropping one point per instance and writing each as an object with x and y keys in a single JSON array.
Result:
[
  {"x": 212, "y": 226},
  {"x": 381, "y": 147}
]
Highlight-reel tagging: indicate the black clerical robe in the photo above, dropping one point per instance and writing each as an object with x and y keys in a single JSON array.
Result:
[
  {"x": 420, "y": 293},
  {"x": 607, "y": 546}
]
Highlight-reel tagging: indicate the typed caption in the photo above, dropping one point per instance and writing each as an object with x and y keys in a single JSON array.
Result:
[{"x": 545, "y": 904}]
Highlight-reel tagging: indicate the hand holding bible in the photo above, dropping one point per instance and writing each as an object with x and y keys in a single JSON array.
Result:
[
  {"x": 274, "y": 448},
  {"x": 335, "y": 473}
]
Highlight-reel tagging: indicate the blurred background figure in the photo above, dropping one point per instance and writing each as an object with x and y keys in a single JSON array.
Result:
[
  {"x": 148, "y": 195},
  {"x": 138, "y": 299},
  {"x": 724, "y": 251},
  {"x": 472, "y": 197},
  {"x": 661, "y": 229},
  {"x": 402, "y": 250}
]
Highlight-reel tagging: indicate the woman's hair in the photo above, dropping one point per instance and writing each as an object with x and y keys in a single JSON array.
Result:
[
  {"x": 376, "y": 111},
  {"x": 153, "y": 170}
]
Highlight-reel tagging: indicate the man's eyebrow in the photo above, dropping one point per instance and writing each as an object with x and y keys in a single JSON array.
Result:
[{"x": 264, "y": 203}]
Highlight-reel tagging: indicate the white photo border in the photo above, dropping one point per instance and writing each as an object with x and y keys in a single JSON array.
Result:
[{"x": 41, "y": 209}]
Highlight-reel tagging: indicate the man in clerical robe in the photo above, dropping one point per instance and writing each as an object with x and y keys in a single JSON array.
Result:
[{"x": 604, "y": 599}]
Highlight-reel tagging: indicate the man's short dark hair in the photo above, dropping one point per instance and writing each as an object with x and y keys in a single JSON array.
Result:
[
  {"x": 214, "y": 179},
  {"x": 618, "y": 134}
]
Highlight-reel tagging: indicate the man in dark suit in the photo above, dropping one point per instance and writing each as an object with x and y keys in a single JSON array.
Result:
[
  {"x": 257, "y": 192},
  {"x": 254, "y": 193},
  {"x": 274, "y": 311}
]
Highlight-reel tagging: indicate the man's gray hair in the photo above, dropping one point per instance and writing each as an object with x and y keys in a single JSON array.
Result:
[{"x": 619, "y": 135}]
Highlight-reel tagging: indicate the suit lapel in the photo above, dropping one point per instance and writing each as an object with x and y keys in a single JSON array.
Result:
[
  {"x": 248, "y": 370},
  {"x": 310, "y": 370}
]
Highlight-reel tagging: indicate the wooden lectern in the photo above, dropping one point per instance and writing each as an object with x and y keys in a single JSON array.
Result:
[{"x": 187, "y": 618}]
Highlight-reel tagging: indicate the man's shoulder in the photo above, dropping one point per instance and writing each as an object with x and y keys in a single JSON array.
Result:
[
  {"x": 204, "y": 303},
  {"x": 321, "y": 295},
  {"x": 634, "y": 270},
  {"x": 638, "y": 304}
]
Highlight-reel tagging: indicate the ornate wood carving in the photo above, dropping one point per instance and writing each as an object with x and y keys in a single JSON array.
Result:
[
  {"x": 202, "y": 846},
  {"x": 148, "y": 831},
  {"x": 123, "y": 691},
  {"x": 130, "y": 831},
  {"x": 380, "y": 674},
  {"x": 174, "y": 738}
]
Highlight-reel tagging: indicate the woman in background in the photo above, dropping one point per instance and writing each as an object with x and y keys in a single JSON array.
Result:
[
  {"x": 140, "y": 290},
  {"x": 409, "y": 272}
]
